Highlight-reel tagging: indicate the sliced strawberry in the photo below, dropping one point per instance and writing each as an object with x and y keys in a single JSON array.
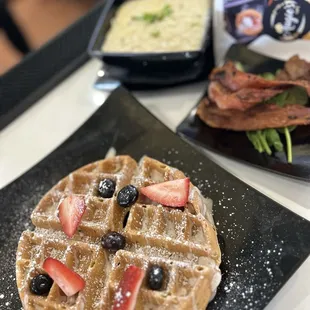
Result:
[
  {"x": 70, "y": 212},
  {"x": 126, "y": 294},
  {"x": 69, "y": 281},
  {"x": 171, "y": 193}
]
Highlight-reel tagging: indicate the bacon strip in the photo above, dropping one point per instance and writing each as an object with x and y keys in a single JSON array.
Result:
[
  {"x": 235, "y": 80},
  {"x": 259, "y": 117},
  {"x": 242, "y": 99}
]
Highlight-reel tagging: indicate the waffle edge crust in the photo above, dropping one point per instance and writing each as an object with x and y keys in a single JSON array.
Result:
[{"x": 182, "y": 241}]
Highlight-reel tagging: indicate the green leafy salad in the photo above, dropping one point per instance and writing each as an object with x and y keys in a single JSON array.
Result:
[{"x": 266, "y": 140}]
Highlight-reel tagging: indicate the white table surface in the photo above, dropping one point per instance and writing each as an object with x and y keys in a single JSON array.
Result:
[{"x": 58, "y": 114}]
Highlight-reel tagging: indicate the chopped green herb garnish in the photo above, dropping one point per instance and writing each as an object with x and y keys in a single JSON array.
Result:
[
  {"x": 195, "y": 24},
  {"x": 155, "y": 34},
  {"x": 151, "y": 18}
]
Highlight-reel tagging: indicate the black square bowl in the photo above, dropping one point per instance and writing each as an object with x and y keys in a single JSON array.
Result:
[{"x": 149, "y": 68}]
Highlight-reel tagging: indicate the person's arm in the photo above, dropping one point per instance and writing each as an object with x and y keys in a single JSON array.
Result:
[
  {"x": 10, "y": 56},
  {"x": 41, "y": 20},
  {"x": 9, "y": 26}
]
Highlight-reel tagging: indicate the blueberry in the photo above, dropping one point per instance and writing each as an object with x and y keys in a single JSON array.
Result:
[
  {"x": 113, "y": 241},
  {"x": 41, "y": 284},
  {"x": 106, "y": 188},
  {"x": 127, "y": 196},
  {"x": 155, "y": 277}
]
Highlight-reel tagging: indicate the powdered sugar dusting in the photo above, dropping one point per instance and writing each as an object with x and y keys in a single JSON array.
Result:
[
  {"x": 256, "y": 246},
  {"x": 245, "y": 253}
]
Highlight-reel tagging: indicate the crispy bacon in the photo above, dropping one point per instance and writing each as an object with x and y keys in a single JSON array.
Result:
[
  {"x": 234, "y": 96},
  {"x": 242, "y": 99},
  {"x": 235, "y": 80},
  {"x": 259, "y": 117}
]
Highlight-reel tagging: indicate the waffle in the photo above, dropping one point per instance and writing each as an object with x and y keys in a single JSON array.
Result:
[{"x": 182, "y": 241}]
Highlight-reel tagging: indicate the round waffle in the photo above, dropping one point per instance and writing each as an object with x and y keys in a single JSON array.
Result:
[{"x": 182, "y": 241}]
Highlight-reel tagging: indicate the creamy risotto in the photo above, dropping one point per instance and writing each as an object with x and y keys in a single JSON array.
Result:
[{"x": 158, "y": 26}]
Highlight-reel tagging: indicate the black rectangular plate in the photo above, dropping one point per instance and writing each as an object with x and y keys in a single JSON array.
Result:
[
  {"x": 262, "y": 242},
  {"x": 147, "y": 70},
  {"x": 235, "y": 144}
]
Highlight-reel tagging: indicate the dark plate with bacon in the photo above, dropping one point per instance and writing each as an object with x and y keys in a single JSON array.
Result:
[{"x": 256, "y": 109}]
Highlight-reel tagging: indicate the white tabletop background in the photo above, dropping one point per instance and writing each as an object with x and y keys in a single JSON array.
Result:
[{"x": 58, "y": 114}]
